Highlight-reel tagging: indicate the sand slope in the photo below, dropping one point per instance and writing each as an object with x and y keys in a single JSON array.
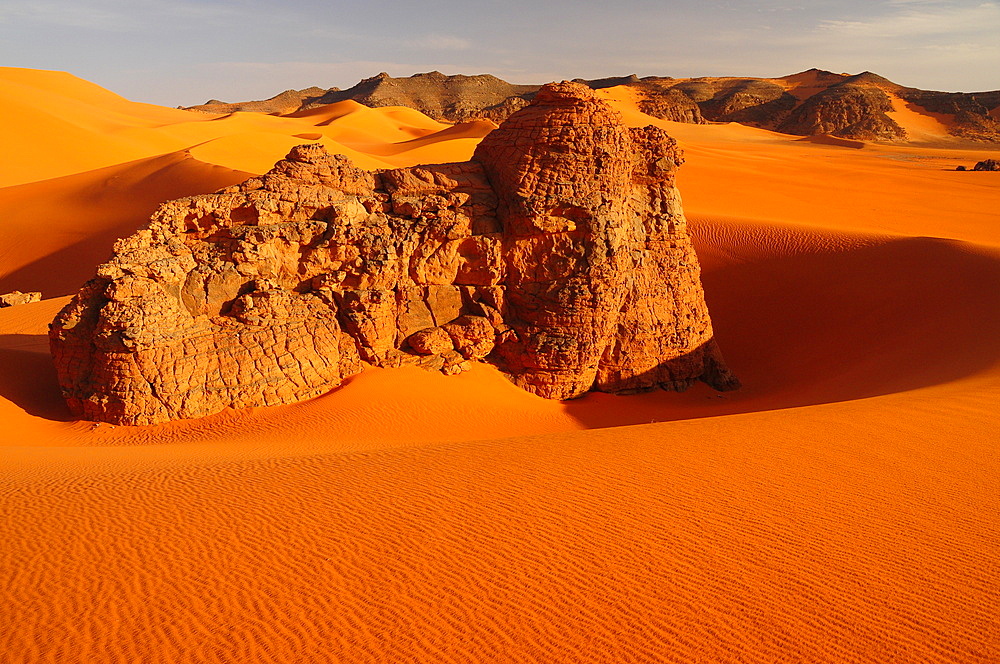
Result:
[
  {"x": 55, "y": 232},
  {"x": 842, "y": 507},
  {"x": 53, "y": 124}
]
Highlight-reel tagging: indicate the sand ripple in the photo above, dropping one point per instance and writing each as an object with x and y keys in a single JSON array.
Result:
[{"x": 637, "y": 544}]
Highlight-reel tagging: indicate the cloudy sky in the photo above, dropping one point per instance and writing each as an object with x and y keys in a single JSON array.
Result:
[{"x": 183, "y": 52}]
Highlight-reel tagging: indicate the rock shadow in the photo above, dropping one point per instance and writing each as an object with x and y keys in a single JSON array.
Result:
[
  {"x": 28, "y": 379},
  {"x": 807, "y": 329},
  {"x": 63, "y": 272},
  {"x": 797, "y": 330}
]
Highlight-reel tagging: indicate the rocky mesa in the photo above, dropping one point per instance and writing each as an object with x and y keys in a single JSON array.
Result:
[
  {"x": 559, "y": 253},
  {"x": 809, "y": 103}
]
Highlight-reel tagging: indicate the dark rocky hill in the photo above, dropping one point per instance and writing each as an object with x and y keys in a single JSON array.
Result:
[{"x": 809, "y": 103}]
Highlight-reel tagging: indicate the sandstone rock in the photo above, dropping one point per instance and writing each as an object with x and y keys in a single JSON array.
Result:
[
  {"x": 473, "y": 336},
  {"x": 750, "y": 101},
  {"x": 973, "y": 114},
  {"x": 603, "y": 287},
  {"x": 670, "y": 104},
  {"x": 451, "y": 98},
  {"x": 431, "y": 341},
  {"x": 15, "y": 298},
  {"x": 559, "y": 253},
  {"x": 987, "y": 165}
]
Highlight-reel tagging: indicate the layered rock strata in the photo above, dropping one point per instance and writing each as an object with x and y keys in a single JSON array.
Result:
[{"x": 559, "y": 253}]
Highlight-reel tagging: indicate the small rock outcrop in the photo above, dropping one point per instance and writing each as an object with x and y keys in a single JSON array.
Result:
[
  {"x": 848, "y": 110},
  {"x": 559, "y": 253},
  {"x": 987, "y": 165},
  {"x": 15, "y": 298}
]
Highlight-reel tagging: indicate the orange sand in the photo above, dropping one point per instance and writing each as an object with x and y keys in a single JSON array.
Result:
[{"x": 843, "y": 507}]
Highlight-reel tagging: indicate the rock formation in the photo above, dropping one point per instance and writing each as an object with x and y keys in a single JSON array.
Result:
[
  {"x": 559, "y": 253},
  {"x": 987, "y": 165},
  {"x": 450, "y": 98},
  {"x": 15, "y": 298},
  {"x": 844, "y": 105},
  {"x": 846, "y": 110}
]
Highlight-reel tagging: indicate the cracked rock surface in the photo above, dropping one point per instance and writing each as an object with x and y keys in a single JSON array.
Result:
[{"x": 559, "y": 253}]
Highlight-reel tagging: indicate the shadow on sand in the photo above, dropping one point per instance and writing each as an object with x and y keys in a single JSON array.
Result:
[
  {"x": 801, "y": 330},
  {"x": 797, "y": 330},
  {"x": 28, "y": 378}
]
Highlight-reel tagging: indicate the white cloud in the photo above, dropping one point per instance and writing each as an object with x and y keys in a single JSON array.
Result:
[
  {"x": 68, "y": 14},
  {"x": 112, "y": 15},
  {"x": 440, "y": 42},
  {"x": 911, "y": 19}
]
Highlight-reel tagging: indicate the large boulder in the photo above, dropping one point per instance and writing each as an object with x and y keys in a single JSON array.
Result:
[{"x": 560, "y": 253}]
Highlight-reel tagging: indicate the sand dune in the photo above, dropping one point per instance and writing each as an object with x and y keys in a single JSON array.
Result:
[
  {"x": 88, "y": 166},
  {"x": 55, "y": 232},
  {"x": 254, "y": 152},
  {"x": 738, "y": 172},
  {"x": 379, "y": 125},
  {"x": 447, "y": 138},
  {"x": 54, "y": 125},
  {"x": 842, "y": 507}
]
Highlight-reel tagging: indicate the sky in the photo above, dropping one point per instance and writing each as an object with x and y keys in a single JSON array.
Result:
[{"x": 184, "y": 52}]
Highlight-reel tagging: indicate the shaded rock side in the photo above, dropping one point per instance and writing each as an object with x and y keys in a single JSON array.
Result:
[{"x": 559, "y": 253}]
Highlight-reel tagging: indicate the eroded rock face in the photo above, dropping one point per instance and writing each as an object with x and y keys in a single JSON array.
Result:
[{"x": 559, "y": 253}]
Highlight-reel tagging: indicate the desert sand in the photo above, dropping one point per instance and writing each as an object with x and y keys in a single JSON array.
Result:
[{"x": 844, "y": 506}]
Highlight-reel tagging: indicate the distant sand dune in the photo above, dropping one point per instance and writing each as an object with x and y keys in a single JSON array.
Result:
[{"x": 842, "y": 507}]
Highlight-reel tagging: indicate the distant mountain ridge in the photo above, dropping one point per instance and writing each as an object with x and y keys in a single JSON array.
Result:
[{"x": 810, "y": 103}]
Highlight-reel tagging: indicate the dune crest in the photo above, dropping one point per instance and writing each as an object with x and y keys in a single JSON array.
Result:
[{"x": 54, "y": 125}]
